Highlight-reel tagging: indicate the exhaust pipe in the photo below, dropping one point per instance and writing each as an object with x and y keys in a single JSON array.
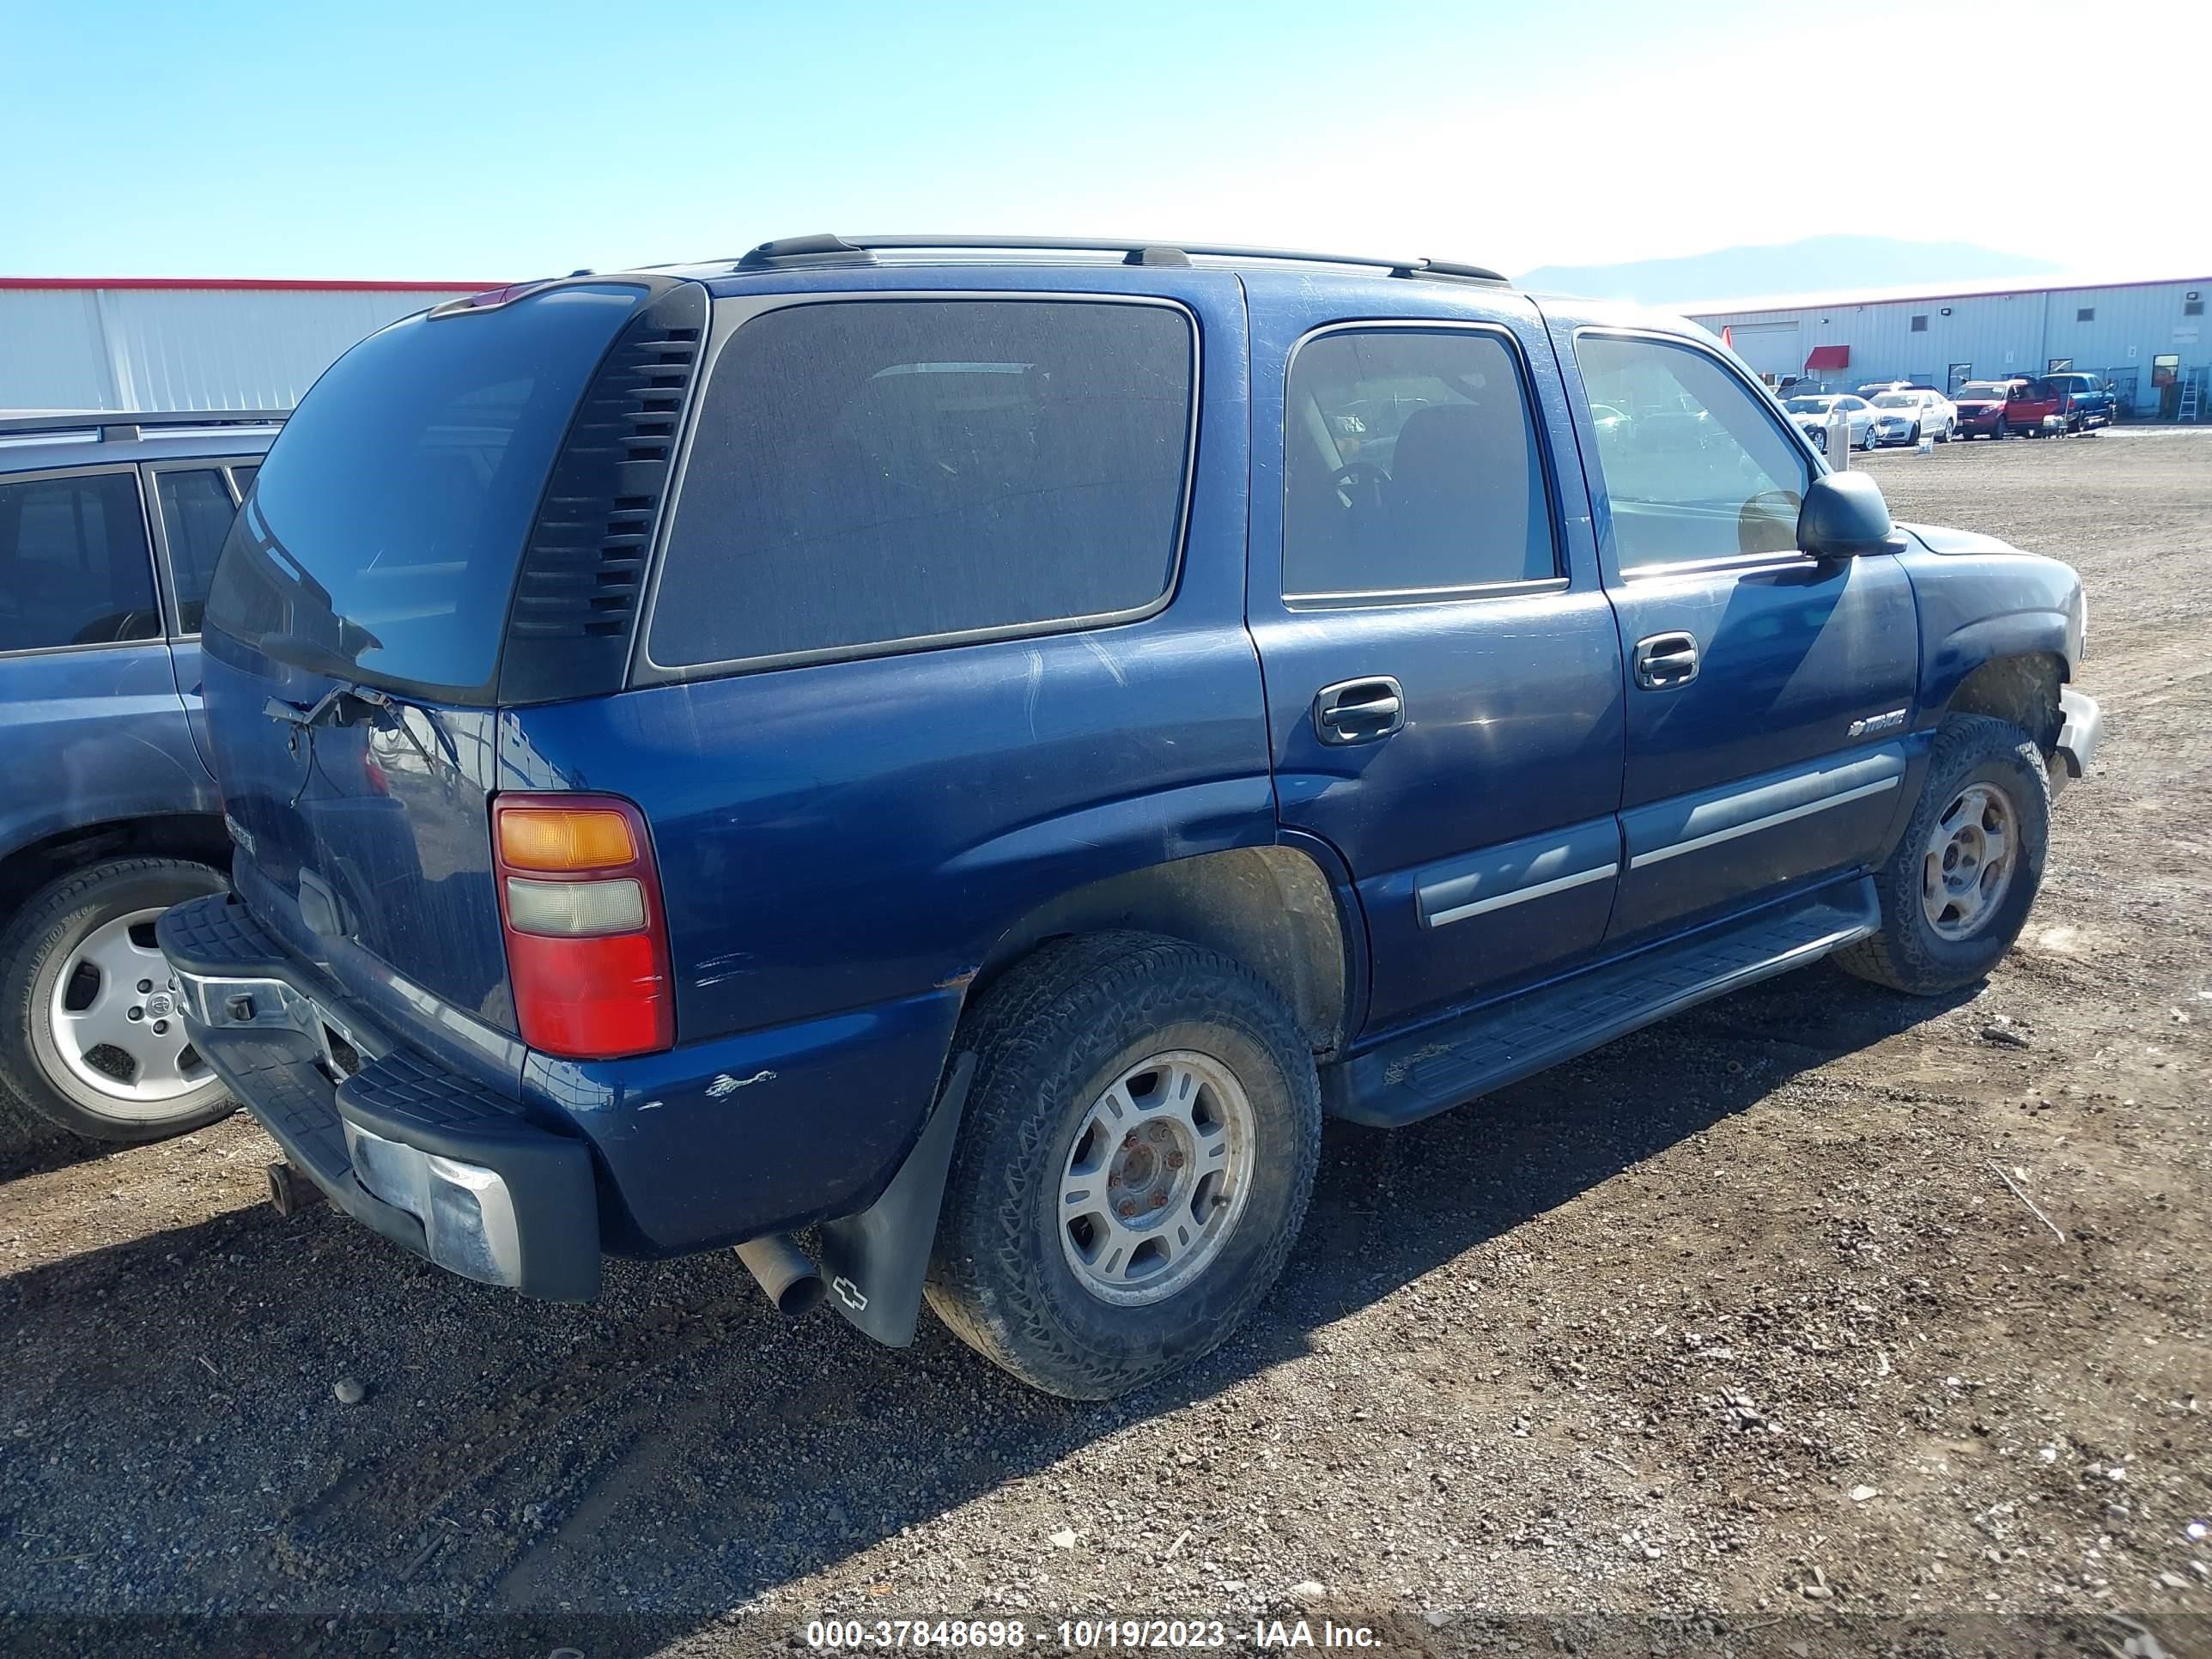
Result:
[{"x": 791, "y": 1282}]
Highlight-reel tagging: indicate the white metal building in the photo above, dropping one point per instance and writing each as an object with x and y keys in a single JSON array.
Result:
[
  {"x": 170, "y": 344},
  {"x": 2148, "y": 338}
]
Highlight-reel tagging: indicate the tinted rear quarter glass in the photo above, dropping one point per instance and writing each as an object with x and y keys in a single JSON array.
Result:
[
  {"x": 196, "y": 515},
  {"x": 74, "y": 566},
  {"x": 386, "y": 523},
  {"x": 869, "y": 473}
]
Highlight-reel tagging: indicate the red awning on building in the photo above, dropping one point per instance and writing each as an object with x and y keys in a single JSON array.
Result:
[{"x": 1828, "y": 357}]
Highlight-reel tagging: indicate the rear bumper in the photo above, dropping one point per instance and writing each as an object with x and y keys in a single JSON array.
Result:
[
  {"x": 460, "y": 1177},
  {"x": 2082, "y": 728}
]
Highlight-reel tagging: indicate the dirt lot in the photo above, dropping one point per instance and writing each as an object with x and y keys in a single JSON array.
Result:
[{"x": 1730, "y": 1337}]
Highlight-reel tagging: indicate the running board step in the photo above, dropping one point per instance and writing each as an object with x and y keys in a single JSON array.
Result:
[{"x": 1438, "y": 1067}]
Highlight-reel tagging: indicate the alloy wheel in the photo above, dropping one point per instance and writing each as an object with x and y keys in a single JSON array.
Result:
[
  {"x": 1156, "y": 1178},
  {"x": 1968, "y": 860},
  {"x": 115, "y": 1019}
]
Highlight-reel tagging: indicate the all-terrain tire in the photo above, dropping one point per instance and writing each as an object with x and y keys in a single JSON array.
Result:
[
  {"x": 1050, "y": 1038},
  {"x": 33, "y": 948},
  {"x": 1908, "y": 954}
]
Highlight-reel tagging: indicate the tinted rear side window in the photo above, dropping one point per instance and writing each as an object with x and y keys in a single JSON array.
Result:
[
  {"x": 386, "y": 524},
  {"x": 196, "y": 515},
  {"x": 74, "y": 568},
  {"x": 871, "y": 472},
  {"x": 1412, "y": 466}
]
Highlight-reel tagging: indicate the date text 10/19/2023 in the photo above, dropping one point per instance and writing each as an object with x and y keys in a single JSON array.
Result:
[{"x": 1083, "y": 1634}]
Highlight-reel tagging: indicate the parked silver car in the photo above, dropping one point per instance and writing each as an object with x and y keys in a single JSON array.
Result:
[
  {"x": 1906, "y": 418},
  {"x": 1810, "y": 412}
]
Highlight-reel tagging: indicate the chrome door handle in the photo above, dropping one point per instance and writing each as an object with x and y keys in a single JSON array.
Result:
[
  {"x": 1359, "y": 711},
  {"x": 1665, "y": 661}
]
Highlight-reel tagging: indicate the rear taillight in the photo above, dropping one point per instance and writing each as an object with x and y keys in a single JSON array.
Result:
[{"x": 586, "y": 939}]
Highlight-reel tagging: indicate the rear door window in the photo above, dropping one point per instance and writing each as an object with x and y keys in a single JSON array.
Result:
[
  {"x": 1412, "y": 466},
  {"x": 195, "y": 514},
  {"x": 872, "y": 474},
  {"x": 74, "y": 564}
]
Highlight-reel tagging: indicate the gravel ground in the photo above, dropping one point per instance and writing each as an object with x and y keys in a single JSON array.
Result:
[{"x": 1740, "y": 1336}]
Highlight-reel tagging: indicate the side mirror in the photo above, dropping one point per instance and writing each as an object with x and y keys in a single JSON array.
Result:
[{"x": 1844, "y": 517}]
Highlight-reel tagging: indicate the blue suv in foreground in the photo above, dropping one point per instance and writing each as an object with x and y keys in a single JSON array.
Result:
[
  {"x": 977, "y": 749},
  {"x": 110, "y": 527}
]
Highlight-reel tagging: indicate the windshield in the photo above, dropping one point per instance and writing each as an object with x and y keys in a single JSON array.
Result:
[
  {"x": 1809, "y": 405},
  {"x": 383, "y": 531},
  {"x": 1897, "y": 400},
  {"x": 1987, "y": 390}
]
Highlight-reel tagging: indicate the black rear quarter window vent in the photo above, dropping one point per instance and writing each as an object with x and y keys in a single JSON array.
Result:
[{"x": 576, "y": 599}]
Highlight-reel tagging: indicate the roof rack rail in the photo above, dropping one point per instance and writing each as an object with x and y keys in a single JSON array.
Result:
[
  {"x": 825, "y": 248},
  {"x": 121, "y": 425}
]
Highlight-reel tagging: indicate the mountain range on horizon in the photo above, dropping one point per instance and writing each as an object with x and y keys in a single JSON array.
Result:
[{"x": 1814, "y": 264}]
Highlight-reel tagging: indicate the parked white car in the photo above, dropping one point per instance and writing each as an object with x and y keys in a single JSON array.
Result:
[
  {"x": 1906, "y": 418},
  {"x": 1810, "y": 412}
]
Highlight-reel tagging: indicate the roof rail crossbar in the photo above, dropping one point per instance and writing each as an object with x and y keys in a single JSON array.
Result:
[
  {"x": 120, "y": 425},
  {"x": 793, "y": 249}
]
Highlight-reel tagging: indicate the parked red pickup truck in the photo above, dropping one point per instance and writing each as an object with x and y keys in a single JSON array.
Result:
[{"x": 1997, "y": 408}]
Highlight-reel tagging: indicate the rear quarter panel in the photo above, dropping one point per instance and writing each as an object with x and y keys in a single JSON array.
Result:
[{"x": 841, "y": 844}]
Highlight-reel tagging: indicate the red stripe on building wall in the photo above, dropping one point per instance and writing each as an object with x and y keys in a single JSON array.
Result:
[{"x": 252, "y": 284}]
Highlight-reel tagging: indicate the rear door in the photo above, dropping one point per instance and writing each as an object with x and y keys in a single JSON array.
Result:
[
  {"x": 1442, "y": 671},
  {"x": 90, "y": 726},
  {"x": 380, "y": 549},
  {"x": 1765, "y": 690}
]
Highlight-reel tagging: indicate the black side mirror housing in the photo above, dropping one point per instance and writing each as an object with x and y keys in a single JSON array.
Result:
[{"x": 1844, "y": 517}]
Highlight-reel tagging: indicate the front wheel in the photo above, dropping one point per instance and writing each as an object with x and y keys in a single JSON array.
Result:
[
  {"x": 2003, "y": 429},
  {"x": 92, "y": 1039},
  {"x": 1134, "y": 1163},
  {"x": 1956, "y": 892}
]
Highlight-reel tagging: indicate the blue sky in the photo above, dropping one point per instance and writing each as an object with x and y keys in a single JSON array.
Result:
[{"x": 483, "y": 141}]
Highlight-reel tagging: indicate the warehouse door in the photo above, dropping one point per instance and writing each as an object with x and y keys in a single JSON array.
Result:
[{"x": 1771, "y": 348}]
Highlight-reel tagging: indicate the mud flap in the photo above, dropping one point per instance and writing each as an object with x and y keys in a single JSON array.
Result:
[{"x": 875, "y": 1260}]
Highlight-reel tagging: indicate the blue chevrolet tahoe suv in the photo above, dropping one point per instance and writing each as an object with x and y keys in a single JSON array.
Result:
[
  {"x": 976, "y": 751},
  {"x": 110, "y": 527}
]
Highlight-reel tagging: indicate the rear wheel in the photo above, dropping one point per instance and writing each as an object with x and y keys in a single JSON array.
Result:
[
  {"x": 1956, "y": 892},
  {"x": 1137, "y": 1153},
  {"x": 93, "y": 1040}
]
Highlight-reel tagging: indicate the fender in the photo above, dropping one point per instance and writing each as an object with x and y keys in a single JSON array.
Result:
[{"x": 1980, "y": 601}]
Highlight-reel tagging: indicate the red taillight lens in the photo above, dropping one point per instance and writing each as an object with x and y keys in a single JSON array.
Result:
[{"x": 586, "y": 939}]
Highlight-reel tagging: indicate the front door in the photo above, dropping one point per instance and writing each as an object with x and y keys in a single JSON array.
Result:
[
  {"x": 1765, "y": 691},
  {"x": 1442, "y": 673}
]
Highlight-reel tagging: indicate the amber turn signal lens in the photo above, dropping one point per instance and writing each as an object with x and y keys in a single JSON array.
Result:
[{"x": 556, "y": 838}]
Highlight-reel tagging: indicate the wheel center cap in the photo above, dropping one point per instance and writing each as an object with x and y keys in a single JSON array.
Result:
[{"x": 161, "y": 1006}]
